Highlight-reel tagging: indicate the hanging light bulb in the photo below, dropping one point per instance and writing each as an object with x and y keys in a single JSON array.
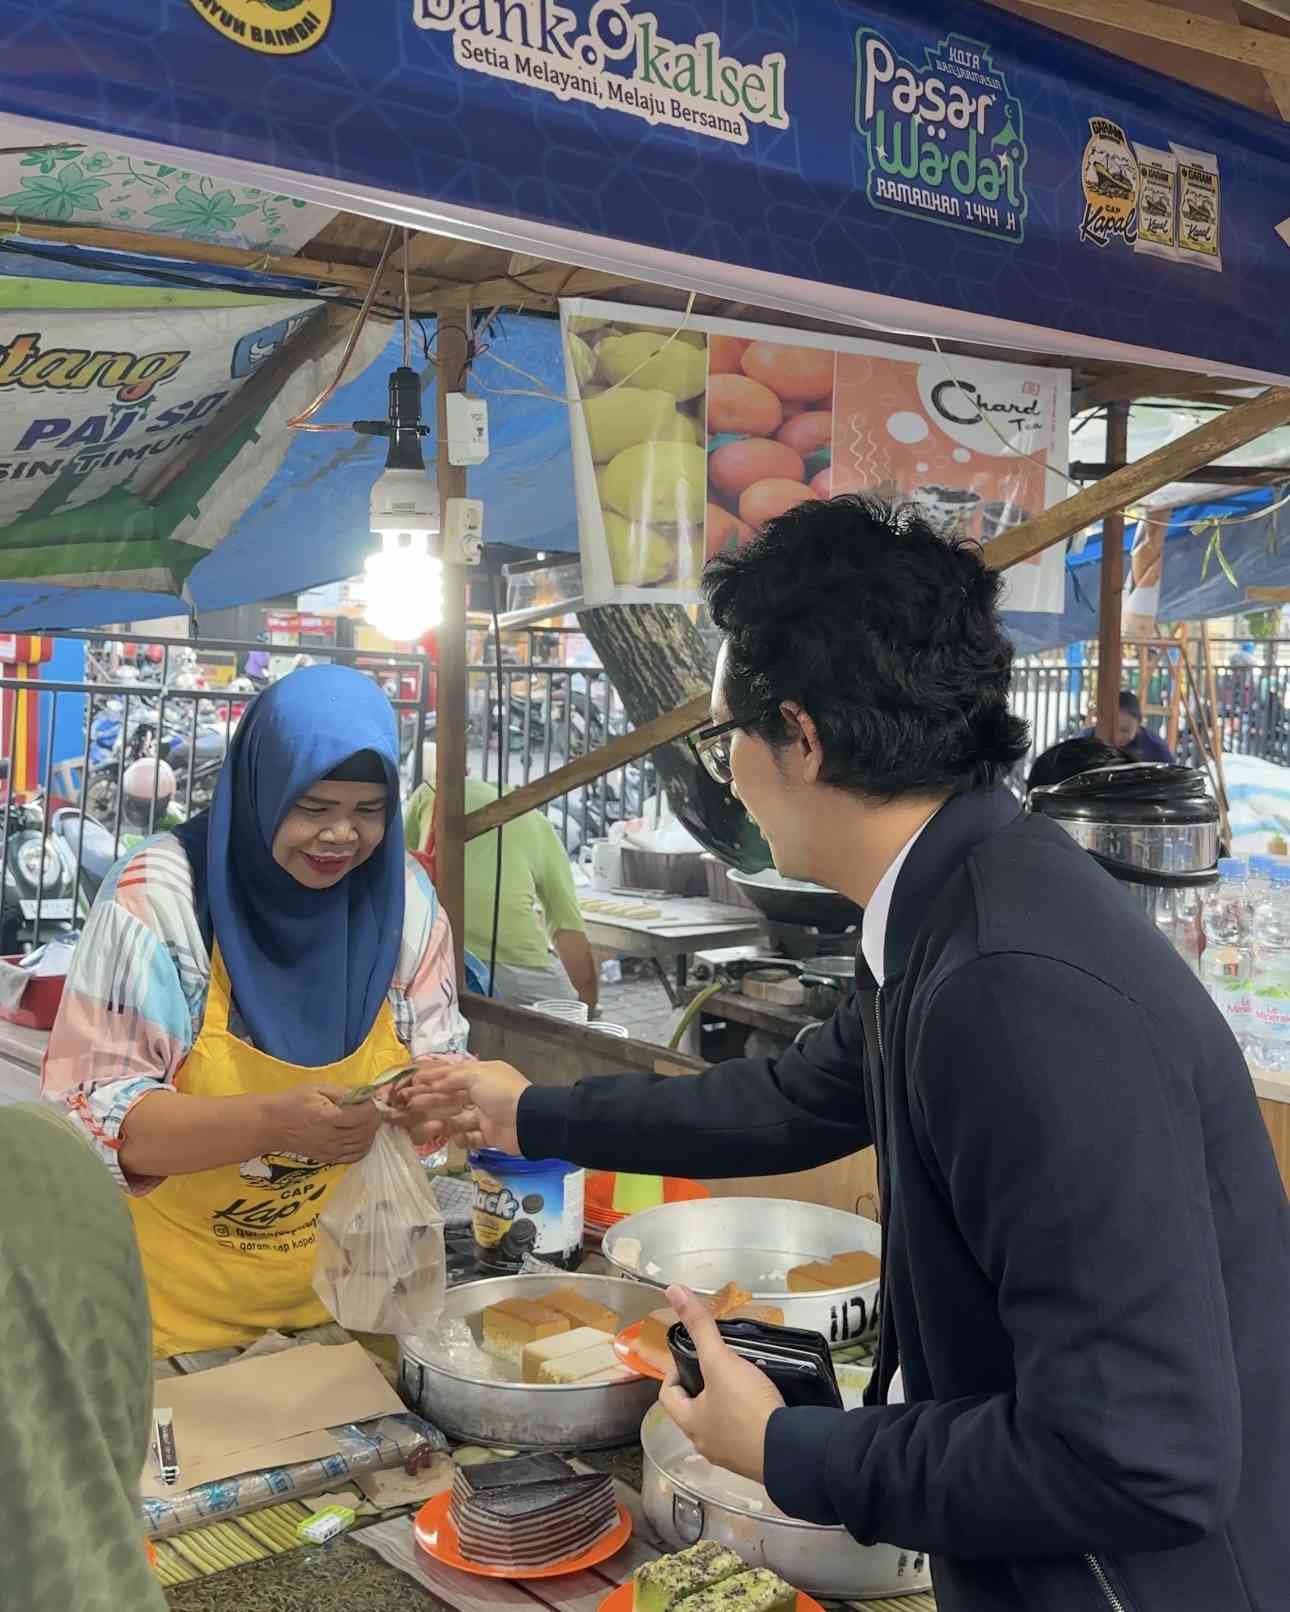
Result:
[
  {"x": 403, "y": 580},
  {"x": 402, "y": 589}
]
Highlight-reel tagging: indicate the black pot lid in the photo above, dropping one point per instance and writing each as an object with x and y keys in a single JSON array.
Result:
[{"x": 1143, "y": 793}]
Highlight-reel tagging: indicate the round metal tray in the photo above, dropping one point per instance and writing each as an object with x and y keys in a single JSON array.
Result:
[
  {"x": 687, "y": 1500},
  {"x": 528, "y": 1416},
  {"x": 754, "y": 1242}
]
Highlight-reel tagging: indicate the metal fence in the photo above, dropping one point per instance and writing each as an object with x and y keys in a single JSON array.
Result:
[
  {"x": 62, "y": 838},
  {"x": 542, "y": 716}
]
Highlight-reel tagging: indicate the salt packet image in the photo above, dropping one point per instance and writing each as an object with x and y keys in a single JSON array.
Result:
[
  {"x": 1157, "y": 204},
  {"x": 1199, "y": 208}
]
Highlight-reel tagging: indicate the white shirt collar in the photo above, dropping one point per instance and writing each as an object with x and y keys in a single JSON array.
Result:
[{"x": 873, "y": 932}]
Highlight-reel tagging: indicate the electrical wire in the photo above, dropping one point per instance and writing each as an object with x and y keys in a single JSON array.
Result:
[
  {"x": 503, "y": 740},
  {"x": 407, "y": 308},
  {"x": 299, "y": 422}
]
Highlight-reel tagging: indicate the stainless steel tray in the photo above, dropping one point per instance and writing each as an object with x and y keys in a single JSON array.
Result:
[
  {"x": 528, "y": 1416},
  {"x": 754, "y": 1242},
  {"x": 686, "y": 1499}
]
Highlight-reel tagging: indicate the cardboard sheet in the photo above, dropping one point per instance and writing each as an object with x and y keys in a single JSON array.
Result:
[{"x": 270, "y": 1410}]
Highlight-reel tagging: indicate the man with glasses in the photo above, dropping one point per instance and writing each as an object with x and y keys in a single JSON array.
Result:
[{"x": 1086, "y": 1244}]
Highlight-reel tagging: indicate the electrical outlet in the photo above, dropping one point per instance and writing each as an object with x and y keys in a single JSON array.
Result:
[
  {"x": 467, "y": 429},
  {"x": 463, "y": 531}
]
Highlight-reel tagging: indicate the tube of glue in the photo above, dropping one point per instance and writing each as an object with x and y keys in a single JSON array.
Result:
[{"x": 163, "y": 1445}]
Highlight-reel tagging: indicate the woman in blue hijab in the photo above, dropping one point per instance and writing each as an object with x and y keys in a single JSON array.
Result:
[{"x": 235, "y": 980}]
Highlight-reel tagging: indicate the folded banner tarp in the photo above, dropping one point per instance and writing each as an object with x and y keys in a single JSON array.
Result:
[
  {"x": 944, "y": 166},
  {"x": 310, "y": 524}
]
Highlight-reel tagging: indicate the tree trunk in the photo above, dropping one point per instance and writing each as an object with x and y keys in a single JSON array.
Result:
[{"x": 657, "y": 660}]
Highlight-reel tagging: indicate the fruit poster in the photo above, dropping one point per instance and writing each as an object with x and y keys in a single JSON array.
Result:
[{"x": 689, "y": 433}]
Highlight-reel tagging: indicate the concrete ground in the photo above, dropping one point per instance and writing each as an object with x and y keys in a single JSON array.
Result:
[{"x": 639, "y": 1003}]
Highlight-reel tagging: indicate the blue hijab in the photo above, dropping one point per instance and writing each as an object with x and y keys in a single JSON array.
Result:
[{"x": 309, "y": 968}]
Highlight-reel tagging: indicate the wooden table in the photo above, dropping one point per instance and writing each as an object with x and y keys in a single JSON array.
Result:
[{"x": 682, "y": 926}]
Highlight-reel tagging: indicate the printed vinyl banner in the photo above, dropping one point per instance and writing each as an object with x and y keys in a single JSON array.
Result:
[
  {"x": 940, "y": 166},
  {"x": 689, "y": 433},
  {"x": 95, "y": 407}
]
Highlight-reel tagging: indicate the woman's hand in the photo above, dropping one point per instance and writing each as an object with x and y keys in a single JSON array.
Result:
[
  {"x": 474, "y": 1103},
  {"x": 309, "y": 1120},
  {"x": 727, "y": 1422}
]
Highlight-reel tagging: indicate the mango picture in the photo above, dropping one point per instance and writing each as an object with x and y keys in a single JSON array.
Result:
[
  {"x": 584, "y": 360},
  {"x": 658, "y": 482},
  {"x": 638, "y": 555},
  {"x": 764, "y": 500},
  {"x": 738, "y": 465},
  {"x": 651, "y": 361},
  {"x": 724, "y": 530},
  {"x": 809, "y": 432},
  {"x": 725, "y": 354},
  {"x": 794, "y": 374},
  {"x": 626, "y": 415},
  {"x": 743, "y": 406}
]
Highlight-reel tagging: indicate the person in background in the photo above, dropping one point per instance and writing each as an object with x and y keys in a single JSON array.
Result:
[
  {"x": 538, "y": 909},
  {"x": 75, "y": 1378},
  {"x": 1071, "y": 757},
  {"x": 147, "y": 801},
  {"x": 236, "y": 980},
  {"x": 1085, "y": 1239},
  {"x": 1132, "y": 735}
]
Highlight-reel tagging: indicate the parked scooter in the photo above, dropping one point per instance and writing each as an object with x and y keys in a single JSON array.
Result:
[{"x": 39, "y": 881}]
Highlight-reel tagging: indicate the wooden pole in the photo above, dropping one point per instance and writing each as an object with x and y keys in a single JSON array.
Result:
[
  {"x": 453, "y": 360},
  {"x": 1215, "y": 730},
  {"x": 1111, "y": 603},
  {"x": 1207, "y": 442}
]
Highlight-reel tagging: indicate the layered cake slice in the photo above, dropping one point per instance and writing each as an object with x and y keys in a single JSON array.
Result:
[
  {"x": 758, "y": 1591},
  {"x": 843, "y": 1270},
  {"x": 662, "y": 1585},
  {"x": 536, "y": 1355},
  {"x": 522, "y": 1515},
  {"x": 513, "y": 1323},
  {"x": 582, "y": 1311}
]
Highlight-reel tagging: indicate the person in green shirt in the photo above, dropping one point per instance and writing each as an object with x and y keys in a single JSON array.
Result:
[{"x": 538, "y": 908}]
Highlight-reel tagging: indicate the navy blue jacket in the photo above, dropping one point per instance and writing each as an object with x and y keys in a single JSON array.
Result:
[{"x": 1087, "y": 1255}]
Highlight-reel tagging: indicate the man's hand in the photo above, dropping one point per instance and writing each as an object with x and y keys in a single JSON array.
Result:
[
  {"x": 727, "y": 1422},
  {"x": 475, "y": 1103},
  {"x": 309, "y": 1120}
]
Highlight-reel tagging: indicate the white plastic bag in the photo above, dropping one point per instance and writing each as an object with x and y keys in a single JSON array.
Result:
[{"x": 380, "y": 1265}]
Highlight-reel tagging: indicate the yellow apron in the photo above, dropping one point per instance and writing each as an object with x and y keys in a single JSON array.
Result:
[{"x": 229, "y": 1253}]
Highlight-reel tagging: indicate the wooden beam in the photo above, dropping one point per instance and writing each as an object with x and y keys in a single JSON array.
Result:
[
  {"x": 543, "y": 288},
  {"x": 323, "y": 331},
  {"x": 1128, "y": 385},
  {"x": 1111, "y": 600},
  {"x": 211, "y": 256},
  {"x": 1252, "y": 47},
  {"x": 1269, "y": 596},
  {"x": 585, "y": 769},
  {"x": 452, "y": 352},
  {"x": 1207, "y": 442}
]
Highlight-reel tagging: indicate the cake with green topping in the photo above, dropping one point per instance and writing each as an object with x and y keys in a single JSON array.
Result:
[
  {"x": 661, "y": 1585},
  {"x": 758, "y": 1591}
]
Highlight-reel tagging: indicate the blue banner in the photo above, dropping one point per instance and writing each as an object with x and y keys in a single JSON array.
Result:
[{"x": 946, "y": 155}]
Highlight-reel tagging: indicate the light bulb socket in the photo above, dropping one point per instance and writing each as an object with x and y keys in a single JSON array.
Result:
[{"x": 406, "y": 429}]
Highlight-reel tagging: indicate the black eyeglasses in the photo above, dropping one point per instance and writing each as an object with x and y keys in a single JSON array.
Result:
[{"x": 711, "y": 746}]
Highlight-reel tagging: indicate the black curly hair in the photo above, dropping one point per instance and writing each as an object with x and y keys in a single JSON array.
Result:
[{"x": 886, "y": 633}]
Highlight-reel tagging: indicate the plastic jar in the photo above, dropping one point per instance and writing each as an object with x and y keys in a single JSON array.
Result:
[{"x": 526, "y": 1206}]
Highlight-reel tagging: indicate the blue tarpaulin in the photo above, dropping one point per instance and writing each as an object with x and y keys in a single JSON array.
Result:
[{"x": 310, "y": 525}]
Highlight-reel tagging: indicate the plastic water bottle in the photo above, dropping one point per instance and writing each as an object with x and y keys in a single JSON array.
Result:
[
  {"x": 1271, "y": 975},
  {"x": 1259, "y": 885},
  {"x": 1227, "y": 961}
]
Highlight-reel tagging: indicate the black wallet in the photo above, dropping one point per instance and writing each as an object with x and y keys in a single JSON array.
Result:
[{"x": 796, "y": 1361}]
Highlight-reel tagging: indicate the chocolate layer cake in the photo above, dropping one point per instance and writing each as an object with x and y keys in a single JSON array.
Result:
[{"x": 530, "y": 1513}]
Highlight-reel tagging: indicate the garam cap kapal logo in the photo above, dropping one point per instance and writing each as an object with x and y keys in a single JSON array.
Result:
[{"x": 272, "y": 27}]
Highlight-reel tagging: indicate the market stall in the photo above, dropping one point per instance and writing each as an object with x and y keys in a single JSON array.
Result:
[{"x": 1021, "y": 240}]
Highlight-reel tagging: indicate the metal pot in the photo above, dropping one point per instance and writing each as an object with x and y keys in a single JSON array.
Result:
[
  {"x": 527, "y": 1416},
  {"x": 1154, "y": 828},
  {"x": 790, "y": 901},
  {"x": 754, "y": 1242},
  {"x": 687, "y": 1500},
  {"x": 828, "y": 982}
]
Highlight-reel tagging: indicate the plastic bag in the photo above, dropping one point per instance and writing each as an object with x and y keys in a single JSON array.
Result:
[{"x": 380, "y": 1264}]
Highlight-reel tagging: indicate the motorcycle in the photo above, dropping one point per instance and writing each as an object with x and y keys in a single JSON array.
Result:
[{"x": 39, "y": 882}]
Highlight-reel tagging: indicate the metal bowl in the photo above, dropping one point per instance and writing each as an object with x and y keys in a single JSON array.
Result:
[
  {"x": 754, "y": 1242},
  {"x": 790, "y": 901},
  {"x": 687, "y": 1500},
  {"x": 528, "y": 1416}
]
